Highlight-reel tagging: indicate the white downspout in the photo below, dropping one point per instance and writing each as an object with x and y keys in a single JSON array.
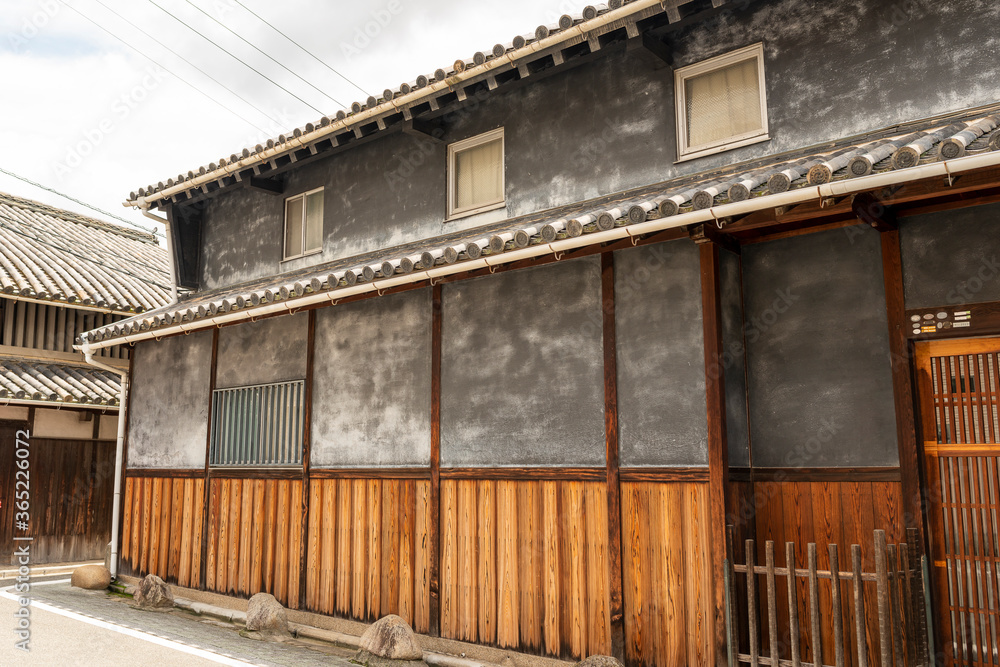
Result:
[{"x": 119, "y": 452}]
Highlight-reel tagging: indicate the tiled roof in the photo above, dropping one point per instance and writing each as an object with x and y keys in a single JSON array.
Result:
[
  {"x": 884, "y": 151},
  {"x": 572, "y": 36},
  {"x": 63, "y": 384},
  {"x": 48, "y": 254}
]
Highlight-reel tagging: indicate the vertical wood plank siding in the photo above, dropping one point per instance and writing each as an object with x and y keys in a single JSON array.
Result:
[
  {"x": 826, "y": 512},
  {"x": 162, "y": 528}
]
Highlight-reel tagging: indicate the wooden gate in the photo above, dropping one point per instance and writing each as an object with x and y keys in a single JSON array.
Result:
[{"x": 959, "y": 388}]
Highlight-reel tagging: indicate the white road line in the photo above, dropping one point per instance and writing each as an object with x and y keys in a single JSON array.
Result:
[{"x": 145, "y": 636}]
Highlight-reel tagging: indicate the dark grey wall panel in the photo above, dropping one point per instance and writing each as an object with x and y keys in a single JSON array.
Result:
[
  {"x": 733, "y": 362},
  {"x": 168, "y": 402},
  {"x": 522, "y": 368},
  {"x": 269, "y": 350},
  {"x": 661, "y": 363},
  {"x": 951, "y": 257},
  {"x": 372, "y": 383},
  {"x": 818, "y": 351}
]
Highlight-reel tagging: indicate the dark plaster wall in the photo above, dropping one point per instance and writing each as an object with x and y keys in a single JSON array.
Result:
[
  {"x": 371, "y": 392},
  {"x": 522, "y": 368},
  {"x": 951, "y": 257},
  {"x": 733, "y": 362},
  {"x": 269, "y": 350},
  {"x": 818, "y": 352},
  {"x": 661, "y": 364},
  {"x": 168, "y": 402},
  {"x": 608, "y": 125}
]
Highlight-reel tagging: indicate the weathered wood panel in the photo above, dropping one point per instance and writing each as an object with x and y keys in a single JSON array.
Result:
[
  {"x": 525, "y": 565},
  {"x": 666, "y": 568},
  {"x": 71, "y": 492},
  {"x": 161, "y": 529},
  {"x": 826, "y": 512},
  {"x": 365, "y": 540}
]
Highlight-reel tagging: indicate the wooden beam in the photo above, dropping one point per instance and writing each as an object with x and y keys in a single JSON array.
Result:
[
  {"x": 873, "y": 212},
  {"x": 611, "y": 456},
  {"x": 208, "y": 449},
  {"x": 270, "y": 186},
  {"x": 707, "y": 232},
  {"x": 306, "y": 452},
  {"x": 718, "y": 453},
  {"x": 902, "y": 385},
  {"x": 434, "y": 557}
]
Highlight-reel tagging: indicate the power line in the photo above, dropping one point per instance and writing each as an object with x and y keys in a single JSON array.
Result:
[
  {"x": 149, "y": 230},
  {"x": 316, "y": 58},
  {"x": 179, "y": 78},
  {"x": 259, "y": 50},
  {"x": 233, "y": 92},
  {"x": 248, "y": 66}
]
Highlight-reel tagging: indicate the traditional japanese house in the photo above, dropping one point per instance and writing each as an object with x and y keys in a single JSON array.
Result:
[
  {"x": 505, "y": 348},
  {"x": 62, "y": 274}
]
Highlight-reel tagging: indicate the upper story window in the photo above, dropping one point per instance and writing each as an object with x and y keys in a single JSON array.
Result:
[
  {"x": 476, "y": 174},
  {"x": 721, "y": 103},
  {"x": 304, "y": 224}
]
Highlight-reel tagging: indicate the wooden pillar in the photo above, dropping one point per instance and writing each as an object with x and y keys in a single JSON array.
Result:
[
  {"x": 306, "y": 450},
  {"x": 611, "y": 456},
  {"x": 902, "y": 386},
  {"x": 718, "y": 452},
  {"x": 203, "y": 571},
  {"x": 434, "y": 557}
]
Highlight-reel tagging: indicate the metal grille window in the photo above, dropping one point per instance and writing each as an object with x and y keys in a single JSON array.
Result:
[{"x": 258, "y": 426}]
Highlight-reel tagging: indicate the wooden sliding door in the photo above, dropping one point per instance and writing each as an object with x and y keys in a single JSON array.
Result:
[{"x": 959, "y": 384}]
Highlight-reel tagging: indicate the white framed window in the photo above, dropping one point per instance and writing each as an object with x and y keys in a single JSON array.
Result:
[
  {"x": 304, "y": 224},
  {"x": 476, "y": 174},
  {"x": 721, "y": 103}
]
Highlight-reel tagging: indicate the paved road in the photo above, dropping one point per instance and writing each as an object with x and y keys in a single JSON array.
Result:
[
  {"x": 142, "y": 637},
  {"x": 63, "y": 642}
]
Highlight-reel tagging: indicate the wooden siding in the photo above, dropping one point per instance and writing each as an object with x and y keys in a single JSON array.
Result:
[
  {"x": 48, "y": 327},
  {"x": 826, "y": 512},
  {"x": 71, "y": 487},
  {"x": 161, "y": 532},
  {"x": 367, "y": 552},
  {"x": 667, "y": 572},
  {"x": 524, "y": 564}
]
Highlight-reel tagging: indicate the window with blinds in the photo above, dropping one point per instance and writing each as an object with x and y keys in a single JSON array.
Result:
[
  {"x": 476, "y": 174},
  {"x": 304, "y": 224},
  {"x": 721, "y": 103},
  {"x": 258, "y": 426}
]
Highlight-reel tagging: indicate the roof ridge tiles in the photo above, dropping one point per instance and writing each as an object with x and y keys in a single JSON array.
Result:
[{"x": 78, "y": 218}]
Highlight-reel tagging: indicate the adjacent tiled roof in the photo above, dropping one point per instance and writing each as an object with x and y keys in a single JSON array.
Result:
[
  {"x": 883, "y": 151},
  {"x": 49, "y": 254},
  {"x": 57, "y": 383},
  {"x": 573, "y": 35}
]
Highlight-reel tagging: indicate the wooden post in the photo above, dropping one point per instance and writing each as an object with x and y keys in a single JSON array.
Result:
[
  {"x": 906, "y": 428},
  {"x": 718, "y": 453},
  {"x": 611, "y": 456},
  {"x": 434, "y": 557},
  {"x": 208, "y": 445},
  {"x": 306, "y": 449}
]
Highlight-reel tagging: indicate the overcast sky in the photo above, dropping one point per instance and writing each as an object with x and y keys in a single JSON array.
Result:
[{"x": 85, "y": 114}]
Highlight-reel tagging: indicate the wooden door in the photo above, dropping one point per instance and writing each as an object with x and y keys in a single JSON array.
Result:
[{"x": 959, "y": 388}]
